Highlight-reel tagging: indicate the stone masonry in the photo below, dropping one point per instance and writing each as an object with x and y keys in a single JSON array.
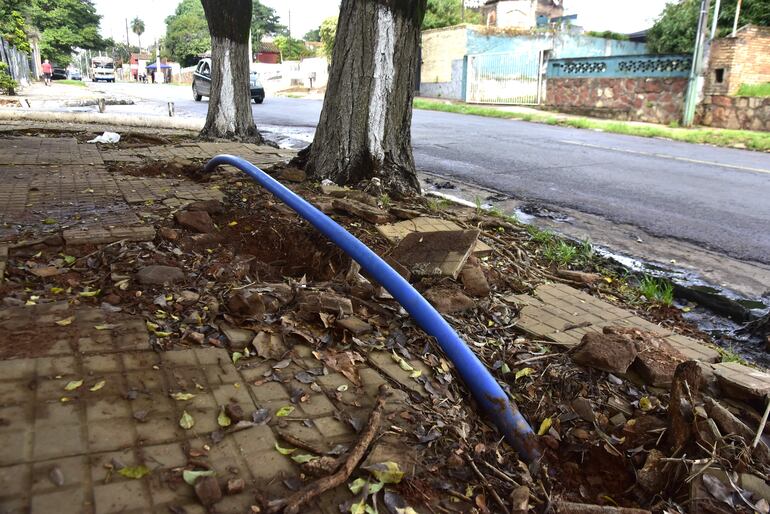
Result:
[{"x": 743, "y": 59}]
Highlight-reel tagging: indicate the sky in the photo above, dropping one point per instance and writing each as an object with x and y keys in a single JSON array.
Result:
[{"x": 617, "y": 15}]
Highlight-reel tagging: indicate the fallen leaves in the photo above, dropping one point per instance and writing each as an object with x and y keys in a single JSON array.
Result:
[
  {"x": 97, "y": 386},
  {"x": 191, "y": 476},
  {"x": 284, "y": 411},
  {"x": 134, "y": 472},
  {"x": 66, "y": 321},
  {"x": 73, "y": 384},
  {"x": 182, "y": 397},
  {"x": 186, "y": 421}
]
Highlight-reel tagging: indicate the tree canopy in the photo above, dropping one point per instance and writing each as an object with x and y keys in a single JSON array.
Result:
[
  {"x": 445, "y": 13},
  {"x": 313, "y": 35},
  {"x": 291, "y": 49},
  {"x": 675, "y": 29},
  {"x": 63, "y": 25},
  {"x": 328, "y": 32},
  {"x": 187, "y": 33}
]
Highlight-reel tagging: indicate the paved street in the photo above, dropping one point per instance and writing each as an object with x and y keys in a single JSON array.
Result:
[{"x": 714, "y": 198}]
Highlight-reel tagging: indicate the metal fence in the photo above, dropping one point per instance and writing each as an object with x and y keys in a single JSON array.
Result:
[
  {"x": 18, "y": 62},
  {"x": 621, "y": 66},
  {"x": 504, "y": 78}
]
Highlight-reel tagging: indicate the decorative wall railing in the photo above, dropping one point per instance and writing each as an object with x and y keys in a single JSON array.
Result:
[{"x": 621, "y": 66}]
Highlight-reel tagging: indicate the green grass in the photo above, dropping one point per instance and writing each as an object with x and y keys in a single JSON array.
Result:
[
  {"x": 754, "y": 90},
  {"x": 384, "y": 201},
  {"x": 753, "y": 140},
  {"x": 657, "y": 290},
  {"x": 69, "y": 82},
  {"x": 560, "y": 253},
  {"x": 729, "y": 355}
]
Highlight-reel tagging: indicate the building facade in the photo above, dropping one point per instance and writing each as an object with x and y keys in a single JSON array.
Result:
[{"x": 743, "y": 59}]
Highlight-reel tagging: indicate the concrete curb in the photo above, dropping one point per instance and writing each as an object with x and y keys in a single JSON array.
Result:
[{"x": 102, "y": 119}]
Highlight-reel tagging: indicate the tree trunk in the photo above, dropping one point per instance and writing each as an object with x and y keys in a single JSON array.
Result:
[
  {"x": 365, "y": 126},
  {"x": 229, "y": 115}
]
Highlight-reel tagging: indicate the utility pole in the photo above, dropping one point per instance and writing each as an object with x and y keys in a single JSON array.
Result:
[
  {"x": 737, "y": 15},
  {"x": 697, "y": 64},
  {"x": 289, "y": 23},
  {"x": 715, "y": 20},
  {"x": 462, "y": 10},
  {"x": 128, "y": 43}
]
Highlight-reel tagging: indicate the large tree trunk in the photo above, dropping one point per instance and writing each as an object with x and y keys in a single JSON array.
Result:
[
  {"x": 365, "y": 126},
  {"x": 229, "y": 115}
]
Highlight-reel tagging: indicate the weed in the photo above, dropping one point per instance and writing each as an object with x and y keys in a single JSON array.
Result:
[
  {"x": 432, "y": 204},
  {"x": 539, "y": 236},
  {"x": 754, "y": 90},
  {"x": 479, "y": 208},
  {"x": 552, "y": 121},
  {"x": 674, "y": 124},
  {"x": 729, "y": 355},
  {"x": 585, "y": 252},
  {"x": 657, "y": 290},
  {"x": 385, "y": 201},
  {"x": 560, "y": 253}
]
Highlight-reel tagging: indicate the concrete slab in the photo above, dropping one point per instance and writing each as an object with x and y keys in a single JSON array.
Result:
[
  {"x": 430, "y": 254},
  {"x": 395, "y": 232}
]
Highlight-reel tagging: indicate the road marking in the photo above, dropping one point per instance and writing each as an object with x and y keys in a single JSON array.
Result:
[{"x": 666, "y": 156}]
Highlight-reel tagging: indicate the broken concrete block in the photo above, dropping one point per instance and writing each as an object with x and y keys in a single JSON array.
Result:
[
  {"x": 430, "y": 254},
  {"x": 199, "y": 221},
  {"x": 607, "y": 352},
  {"x": 321, "y": 301},
  {"x": 656, "y": 358},
  {"x": 269, "y": 345},
  {"x": 448, "y": 301},
  {"x": 397, "y": 231},
  {"x": 742, "y": 382},
  {"x": 355, "y": 325},
  {"x": 239, "y": 337},
  {"x": 359, "y": 209},
  {"x": 473, "y": 278},
  {"x": 403, "y": 214}
]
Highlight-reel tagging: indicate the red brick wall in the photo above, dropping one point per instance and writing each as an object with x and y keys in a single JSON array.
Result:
[
  {"x": 744, "y": 59},
  {"x": 654, "y": 100},
  {"x": 735, "y": 112}
]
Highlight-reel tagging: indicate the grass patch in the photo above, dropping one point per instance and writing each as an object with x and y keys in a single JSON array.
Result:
[
  {"x": 560, "y": 253},
  {"x": 754, "y": 90},
  {"x": 729, "y": 355},
  {"x": 753, "y": 140},
  {"x": 69, "y": 82},
  {"x": 657, "y": 290},
  {"x": 437, "y": 204}
]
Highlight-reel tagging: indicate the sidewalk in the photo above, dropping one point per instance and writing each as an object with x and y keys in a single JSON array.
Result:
[{"x": 178, "y": 342}]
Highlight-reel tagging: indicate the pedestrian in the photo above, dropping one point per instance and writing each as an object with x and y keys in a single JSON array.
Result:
[{"x": 47, "y": 72}]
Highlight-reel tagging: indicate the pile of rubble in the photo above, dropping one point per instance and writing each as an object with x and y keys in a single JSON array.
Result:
[{"x": 631, "y": 415}]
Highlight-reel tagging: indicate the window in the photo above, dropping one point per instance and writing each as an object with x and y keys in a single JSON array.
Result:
[
  {"x": 205, "y": 69},
  {"x": 719, "y": 75}
]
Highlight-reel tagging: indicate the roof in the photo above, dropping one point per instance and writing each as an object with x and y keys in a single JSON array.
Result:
[{"x": 268, "y": 48}]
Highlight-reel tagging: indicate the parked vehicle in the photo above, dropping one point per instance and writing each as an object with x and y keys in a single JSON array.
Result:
[
  {"x": 102, "y": 68},
  {"x": 74, "y": 75},
  {"x": 59, "y": 74},
  {"x": 201, "y": 85}
]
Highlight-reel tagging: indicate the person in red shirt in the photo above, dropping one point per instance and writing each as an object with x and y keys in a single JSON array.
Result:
[{"x": 47, "y": 72}]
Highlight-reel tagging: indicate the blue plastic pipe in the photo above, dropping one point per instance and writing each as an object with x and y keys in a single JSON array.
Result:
[{"x": 482, "y": 384}]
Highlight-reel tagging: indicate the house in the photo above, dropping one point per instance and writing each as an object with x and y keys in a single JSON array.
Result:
[
  {"x": 138, "y": 63},
  {"x": 522, "y": 14},
  {"x": 268, "y": 52}
]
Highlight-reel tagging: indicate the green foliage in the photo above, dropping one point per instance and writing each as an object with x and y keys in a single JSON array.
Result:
[
  {"x": 187, "y": 33},
  {"x": 328, "y": 33},
  {"x": 445, "y": 13},
  {"x": 560, "y": 252},
  {"x": 754, "y": 90},
  {"x": 292, "y": 49},
  {"x": 264, "y": 21},
  {"x": 607, "y": 34},
  {"x": 675, "y": 29},
  {"x": 313, "y": 35},
  {"x": 657, "y": 290},
  {"x": 65, "y": 25},
  {"x": 7, "y": 84},
  {"x": 13, "y": 26},
  {"x": 540, "y": 236}
]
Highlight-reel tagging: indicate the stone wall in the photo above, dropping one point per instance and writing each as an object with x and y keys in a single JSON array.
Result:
[
  {"x": 735, "y": 112},
  {"x": 743, "y": 59},
  {"x": 654, "y": 100}
]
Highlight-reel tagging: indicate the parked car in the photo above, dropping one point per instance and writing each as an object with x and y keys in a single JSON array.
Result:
[
  {"x": 75, "y": 75},
  {"x": 201, "y": 85},
  {"x": 59, "y": 74}
]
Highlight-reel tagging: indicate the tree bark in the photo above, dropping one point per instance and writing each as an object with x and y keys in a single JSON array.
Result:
[
  {"x": 229, "y": 115},
  {"x": 365, "y": 126}
]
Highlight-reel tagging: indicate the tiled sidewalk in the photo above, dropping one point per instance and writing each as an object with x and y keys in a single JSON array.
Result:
[{"x": 63, "y": 448}]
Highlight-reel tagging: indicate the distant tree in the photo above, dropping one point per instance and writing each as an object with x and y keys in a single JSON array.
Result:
[
  {"x": 365, "y": 127},
  {"x": 675, "y": 29},
  {"x": 291, "y": 49},
  {"x": 607, "y": 34},
  {"x": 445, "y": 13},
  {"x": 13, "y": 25},
  {"x": 229, "y": 115},
  {"x": 264, "y": 21},
  {"x": 65, "y": 25},
  {"x": 328, "y": 32},
  {"x": 313, "y": 35},
  {"x": 137, "y": 27},
  {"x": 187, "y": 34}
]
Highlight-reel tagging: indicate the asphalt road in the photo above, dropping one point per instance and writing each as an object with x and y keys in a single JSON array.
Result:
[{"x": 715, "y": 198}]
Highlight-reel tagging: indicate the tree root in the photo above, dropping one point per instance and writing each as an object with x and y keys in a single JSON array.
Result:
[{"x": 292, "y": 504}]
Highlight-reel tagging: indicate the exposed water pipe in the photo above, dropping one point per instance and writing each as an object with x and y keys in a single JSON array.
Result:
[{"x": 485, "y": 389}]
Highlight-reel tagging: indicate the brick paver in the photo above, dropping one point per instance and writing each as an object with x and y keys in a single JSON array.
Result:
[
  {"x": 123, "y": 414},
  {"x": 563, "y": 314}
]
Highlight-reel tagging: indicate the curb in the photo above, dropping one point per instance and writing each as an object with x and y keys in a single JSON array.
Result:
[{"x": 102, "y": 119}]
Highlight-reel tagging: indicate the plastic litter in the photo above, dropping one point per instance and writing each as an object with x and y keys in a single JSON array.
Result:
[{"x": 107, "y": 137}]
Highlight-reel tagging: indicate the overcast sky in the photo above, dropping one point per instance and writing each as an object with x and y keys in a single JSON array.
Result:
[{"x": 618, "y": 15}]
